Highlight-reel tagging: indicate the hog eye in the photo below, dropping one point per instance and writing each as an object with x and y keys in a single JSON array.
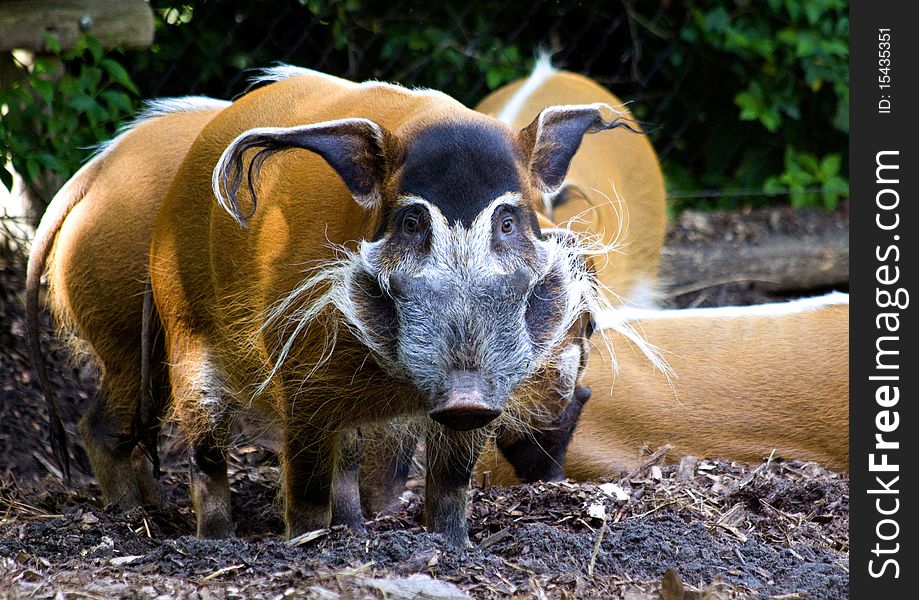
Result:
[
  {"x": 411, "y": 223},
  {"x": 504, "y": 222}
]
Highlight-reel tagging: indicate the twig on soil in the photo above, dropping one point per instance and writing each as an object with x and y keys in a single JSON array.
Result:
[
  {"x": 220, "y": 572},
  {"x": 18, "y": 509},
  {"x": 596, "y": 550},
  {"x": 309, "y": 536},
  {"x": 356, "y": 570},
  {"x": 656, "y": 508},
  {"x": 734, "y": 531},
  {"x": 655, "y": 458},
  {"x": 495, "y": 538},
  {"x": 517, "y": 567}
]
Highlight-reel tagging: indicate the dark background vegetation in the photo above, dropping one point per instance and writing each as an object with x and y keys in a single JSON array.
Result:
[{"x": 747, "y": 100}]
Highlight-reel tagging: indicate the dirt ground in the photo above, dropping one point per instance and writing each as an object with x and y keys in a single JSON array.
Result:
[{"x": 774, "y": 530}]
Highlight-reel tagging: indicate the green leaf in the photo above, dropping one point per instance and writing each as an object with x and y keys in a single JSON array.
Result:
[
  {"x": 33, "y": 171},
  {"x": 830, "y": 166},
  {"x": 119, "y": 74},
  {"x": 773, "y": 186},
  {"x": 750, "y": 106},
  {"x": 44, "y": 88},
  {"x": 493, "y": 78},
  {"x": 717, "y": 20},
  {"x": 799, "y": 197},
  {"x": 90, "y": 78},
  {"x": 806, "y": 46},
  {"x": 94, "y": 48},
  {"x": 69, "y": 86},
  {"x": 118, "y": 100},
  {"x": 771, "y": 120},
  {"x": 51, "y": 42},
  {"x": 813, "y": 11},
  {"x": 49, "y": 161},
  {"x": 82, "y": 103}
]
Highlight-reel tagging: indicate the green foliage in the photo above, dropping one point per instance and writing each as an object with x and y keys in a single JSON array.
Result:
[
  {"x": 61, "y": 106},
  {"x": 806, "y": 178},
  {"x": 788, "y": 62},
  {"x": 746, "y": 99}
]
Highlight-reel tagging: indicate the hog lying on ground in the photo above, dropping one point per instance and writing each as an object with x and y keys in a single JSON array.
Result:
[{"x": 746, "y": 382}]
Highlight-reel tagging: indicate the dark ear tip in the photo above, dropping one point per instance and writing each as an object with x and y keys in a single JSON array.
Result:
[
  {"x": 582, "y": 394},
  {"x": 591, "y": 327}
]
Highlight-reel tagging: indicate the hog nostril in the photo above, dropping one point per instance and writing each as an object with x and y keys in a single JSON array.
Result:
[{"x": 466, "y": 405}]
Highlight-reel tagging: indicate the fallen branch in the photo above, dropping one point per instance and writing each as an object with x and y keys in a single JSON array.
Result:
[{"x": 775, "y": 263}]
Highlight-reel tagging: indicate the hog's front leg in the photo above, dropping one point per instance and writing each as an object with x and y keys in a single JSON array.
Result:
[
  {"x": 451, "y": 456},
  {"x": 308, "y": 457}
]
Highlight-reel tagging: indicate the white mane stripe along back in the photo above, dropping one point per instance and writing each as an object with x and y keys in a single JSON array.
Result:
[
  {"x": 158, "y": 108},
  {"x": 282, "y": 71},
  {"x": 611, "y": 319},
  {"x": 541, "y": 72}
]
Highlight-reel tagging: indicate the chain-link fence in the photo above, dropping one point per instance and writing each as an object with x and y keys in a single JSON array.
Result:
[
  {"x": 638, "y": 55},
  {"x": 648, "y": 53}
]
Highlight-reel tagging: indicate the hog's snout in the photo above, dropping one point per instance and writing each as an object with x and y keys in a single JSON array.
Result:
[{"x": 466, "y": 403}]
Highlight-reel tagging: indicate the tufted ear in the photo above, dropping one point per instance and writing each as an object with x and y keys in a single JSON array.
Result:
[
  {"x": 556, "y": 133},
  {"x": 356, "y": 148}
]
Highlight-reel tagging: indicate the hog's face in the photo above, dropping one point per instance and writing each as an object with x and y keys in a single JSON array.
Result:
[
  {"x": 459, "y": 293},
  {"x": 465, "y": 313}
]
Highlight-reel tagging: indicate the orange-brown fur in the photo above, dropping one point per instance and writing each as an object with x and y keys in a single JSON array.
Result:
[
  {"x": 618, "y": 188},
  {"x": 95, "y": 242},
  {"x": 743, "y": 388},
  {"x": 98, "y": 268},
  {"x": 213, "y": 281}
]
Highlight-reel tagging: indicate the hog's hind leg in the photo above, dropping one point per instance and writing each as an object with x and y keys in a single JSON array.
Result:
[
  {"x": 109, "y": 434},
  {"x": 210, "y": 490}
]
